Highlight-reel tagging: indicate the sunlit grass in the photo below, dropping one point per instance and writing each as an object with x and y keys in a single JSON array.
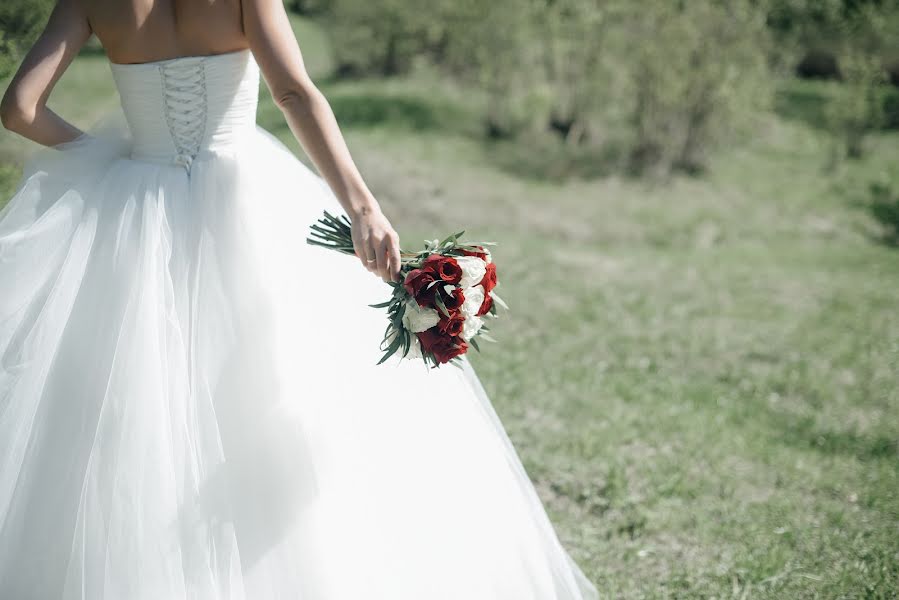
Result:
[{"x": 701, "y": 376}]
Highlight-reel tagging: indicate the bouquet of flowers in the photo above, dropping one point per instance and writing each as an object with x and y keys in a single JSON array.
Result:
[{"x": 443, "y": 301}]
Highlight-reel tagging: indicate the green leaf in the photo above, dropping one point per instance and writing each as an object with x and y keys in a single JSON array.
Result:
[
  {"x": 407, "y": 342},
  {"x": 391, "y": 350},
  {"x": 499, "y": 300},
  {"x": 439, "y": 302}
]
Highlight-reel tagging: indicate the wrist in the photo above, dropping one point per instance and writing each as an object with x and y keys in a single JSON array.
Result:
[{"x": 362, "y": 204}]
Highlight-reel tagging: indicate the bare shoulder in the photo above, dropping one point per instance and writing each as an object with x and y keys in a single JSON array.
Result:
[
  {"x": 275, "y": 47},
  {"x": 147, "y": 30}
]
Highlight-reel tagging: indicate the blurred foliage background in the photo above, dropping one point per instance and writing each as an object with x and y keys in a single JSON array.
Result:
[
  {"x": 653, "y": 85},
  {"x": 697, "y": 210}
]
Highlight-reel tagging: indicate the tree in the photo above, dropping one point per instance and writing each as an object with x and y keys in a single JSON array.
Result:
[
  {"x": 382, "y": 37},
  {"x": 857, "y": 108},
  {"x": 695, "y": 70},
  {"x": 573, "y": 34},
  {"x": 490, "y": 45}
]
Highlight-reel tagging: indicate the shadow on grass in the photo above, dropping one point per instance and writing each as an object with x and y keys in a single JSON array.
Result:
[
  {"x": 608, "y": 497},
  {"x": 807, "y": 101},
  {"x": 784, "y": 428},
  {"x": 804, "y": 101},
  {"x": 804, "y": 432},
  {"x": 370, "y": 110},
  {"x": 546, "y": 158},
  {"x": 883, "y": 205},
  {"x": 364, "y": 110}
]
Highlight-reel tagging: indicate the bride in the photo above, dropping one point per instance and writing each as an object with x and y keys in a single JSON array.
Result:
[{"x": 189, "y": 407}]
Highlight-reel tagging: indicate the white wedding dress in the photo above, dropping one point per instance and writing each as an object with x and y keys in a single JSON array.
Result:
[{"x": 189, "y": 403}]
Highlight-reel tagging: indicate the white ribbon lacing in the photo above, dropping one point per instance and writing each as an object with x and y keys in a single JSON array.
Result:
[{"x": 184, "y": 97}]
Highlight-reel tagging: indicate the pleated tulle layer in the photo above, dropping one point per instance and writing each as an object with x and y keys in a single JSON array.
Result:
[{"x": 189, "y": 407}]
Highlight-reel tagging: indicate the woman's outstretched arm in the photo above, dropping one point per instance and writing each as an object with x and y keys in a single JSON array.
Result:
[
  {"x": 24, "y": 106},
  {"x": 312, "y": 122}
]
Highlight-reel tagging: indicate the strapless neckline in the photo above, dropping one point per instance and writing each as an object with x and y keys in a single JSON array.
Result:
[{"x": 186, "y": 58}]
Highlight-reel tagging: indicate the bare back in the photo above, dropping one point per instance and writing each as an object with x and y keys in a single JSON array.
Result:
[{"x": 137, "y": 31}]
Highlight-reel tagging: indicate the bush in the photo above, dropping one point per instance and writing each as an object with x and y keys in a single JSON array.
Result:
[
  {"x": 857, "y": 107},
  {"x": 696, "y": 70},
  {"x": 884, "y": 207},
  {"x": 573, "y": 40},
  {"x": 490, "y": 47},
  {"x": 309, "y": 7},
  {"x": 381, "y": 37},
  {"x": 21, "y": 21},
  {"x": 891, "y": 109}
]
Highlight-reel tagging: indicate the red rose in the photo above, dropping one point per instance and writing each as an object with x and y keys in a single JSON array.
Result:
[
  {"x": 442, "y": 346},
  {"x": 445, "y": 267},
  {"x": 489, "y": 280},
  {"x": 451, "y": 325},
  {"x": 485, "y": 305},
  {"x": 480, "y": 252},
  {"x": 417, "y": 282},
  {"x": 452, "y": 301}
]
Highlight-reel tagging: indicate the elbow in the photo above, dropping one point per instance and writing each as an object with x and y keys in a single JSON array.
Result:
[
  {"x": 13, "y": 112},
  {"x": 293, "y": 97}
]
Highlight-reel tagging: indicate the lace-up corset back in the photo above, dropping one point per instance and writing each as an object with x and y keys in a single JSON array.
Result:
[{"x": 180, "y": 108}]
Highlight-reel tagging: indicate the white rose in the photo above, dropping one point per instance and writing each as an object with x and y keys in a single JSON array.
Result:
[
  {"x": 473, "y": 269},
  {"x": 472, "y": 327},
  {"x": 474, "y": 297},
  {"x": 418, "y": 318},
  {"x": 414, "y": 348}
]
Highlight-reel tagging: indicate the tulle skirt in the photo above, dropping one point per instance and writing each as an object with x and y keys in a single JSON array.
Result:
[{"x": 190, "y": 407}]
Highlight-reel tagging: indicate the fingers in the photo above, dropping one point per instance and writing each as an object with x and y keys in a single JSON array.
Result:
[
  {"x": 383, "y": 271},
  {"x": 389, "y": 257},
  {"x": 377, "y": 246},
  {"x": 393, "y": 258},
  {"x": 369, "y": 256}
]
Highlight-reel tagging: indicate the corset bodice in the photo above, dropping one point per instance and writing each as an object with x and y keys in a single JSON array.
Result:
[{"x": 180, "y": 108}]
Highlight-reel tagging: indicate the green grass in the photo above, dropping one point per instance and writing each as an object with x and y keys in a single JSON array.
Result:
[{"x": 700, "y": 376}]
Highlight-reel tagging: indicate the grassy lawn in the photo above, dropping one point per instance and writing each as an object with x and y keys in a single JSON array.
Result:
[{"x": 701, "y": 375}]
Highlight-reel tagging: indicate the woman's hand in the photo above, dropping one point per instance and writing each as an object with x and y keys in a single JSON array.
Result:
[{"x": 376, "y": 243}]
